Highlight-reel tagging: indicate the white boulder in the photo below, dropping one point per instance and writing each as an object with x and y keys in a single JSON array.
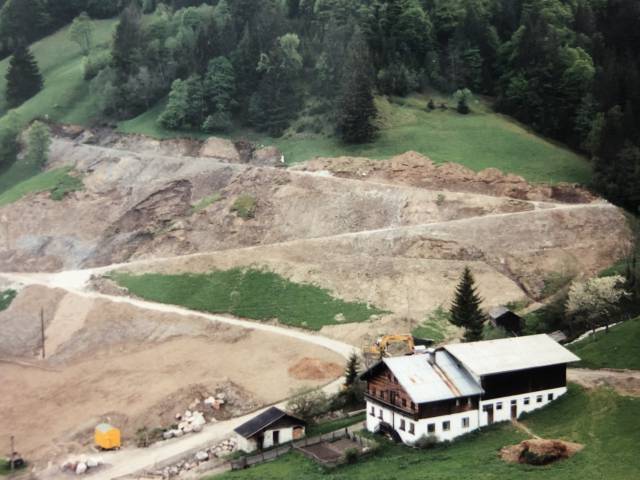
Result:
[{"x": 81, "y": 468}]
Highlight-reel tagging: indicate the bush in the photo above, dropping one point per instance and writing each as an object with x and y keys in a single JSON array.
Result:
[
  {"x": 351, "y": 455},
  {"x": 431, "y": 105},
  {"x": 219, "y": 121},
  {"x": 67, "y": 184},
  {"x": 463, "y": 97},
  {"x": 94, "y": 64},
  {"x": 308, "y": 404},
  {"x": 426, "y": 442},
  {"x": 244, "y": 206}
]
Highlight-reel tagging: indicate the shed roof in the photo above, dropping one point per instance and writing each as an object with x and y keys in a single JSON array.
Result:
[
  {"x": 426, "y": 383},
  {"x": 262, "y": 421},
  {"x": 510, "y": 354},
  {"x": 497, "y": 312}
]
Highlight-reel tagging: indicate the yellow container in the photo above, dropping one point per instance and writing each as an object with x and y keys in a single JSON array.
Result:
[{"x": 107, "y": 436}]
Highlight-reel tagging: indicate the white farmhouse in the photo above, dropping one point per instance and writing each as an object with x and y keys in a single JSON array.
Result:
[{"x": 461, "y": 387}]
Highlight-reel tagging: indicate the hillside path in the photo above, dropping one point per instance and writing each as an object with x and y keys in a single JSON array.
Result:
[{"x": 625, "y": 382}]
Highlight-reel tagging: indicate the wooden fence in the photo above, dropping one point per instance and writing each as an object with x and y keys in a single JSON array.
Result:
[{"x": 278, "y": 451}]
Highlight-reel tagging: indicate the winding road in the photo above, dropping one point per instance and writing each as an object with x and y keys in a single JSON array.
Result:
[{"x": 130, "y": 461}]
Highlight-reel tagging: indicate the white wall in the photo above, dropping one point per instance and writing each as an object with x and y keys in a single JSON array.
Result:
[
  {"x": 456, "y": 427},
  {"x": 250, "y": 445},
  {"x": 504, "y": 414},
  {"x": 286, "y": 435},
  {"x": 477, "y": 418}
]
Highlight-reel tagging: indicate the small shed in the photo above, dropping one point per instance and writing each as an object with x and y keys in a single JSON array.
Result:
[
  {"x": 504, "y": 318},
  {"x": 107, "y": 436},
  {"x": 270, "y": 428}
]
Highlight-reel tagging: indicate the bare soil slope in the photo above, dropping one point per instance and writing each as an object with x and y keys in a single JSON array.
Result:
[{"x": 135, "y": 368}]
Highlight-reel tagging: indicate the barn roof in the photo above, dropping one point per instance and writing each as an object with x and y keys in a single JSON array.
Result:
[
  {"x": 424, "y": 382},
  {"x": 497, "y": 312},
  {"x": 510, "y": 354},
  {"x": 262, "y": 421}
]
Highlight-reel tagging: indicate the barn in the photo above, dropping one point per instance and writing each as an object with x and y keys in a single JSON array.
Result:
[
  {"x": 455, "y": 389},
  {"x": 504, "y": 318},
  {"x": 268, "y": 429}
]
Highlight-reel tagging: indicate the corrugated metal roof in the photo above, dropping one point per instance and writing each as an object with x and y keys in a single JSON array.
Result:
[
  {"x": 510, "y": 354},
  {"x": 497, "y": 312},
  {"x": 262, "y": 421},
  {"x": 426, "y": 383}
]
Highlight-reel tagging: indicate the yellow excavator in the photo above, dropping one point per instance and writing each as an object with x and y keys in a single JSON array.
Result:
[
  {"x": 389, "y": 346},
  {"x": 393, "y": 346}
]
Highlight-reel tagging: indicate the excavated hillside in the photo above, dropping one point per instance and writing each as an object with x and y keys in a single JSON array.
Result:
[{"x": 363, "y": 229}]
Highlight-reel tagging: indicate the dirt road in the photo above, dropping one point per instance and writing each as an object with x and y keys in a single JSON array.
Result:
[
  {"x": 129, "y": 461},
  {"x": 625, "y": 382}
]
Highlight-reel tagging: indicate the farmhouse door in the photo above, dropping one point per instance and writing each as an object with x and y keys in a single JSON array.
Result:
[
  {"x": 514, "y": 412},
  {"x": 490, "y": 414},
  {"x": 276, "y": 437}
]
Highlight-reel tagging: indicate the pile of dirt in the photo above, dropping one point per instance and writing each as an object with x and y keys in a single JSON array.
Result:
[
  {"x": 314, "y": 369},
  {"x": 539, "y": 451},
  {"x": 414, "y": 169}
]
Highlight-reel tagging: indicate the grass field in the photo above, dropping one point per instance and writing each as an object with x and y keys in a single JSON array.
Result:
[
  {"x": 57, "y": 181},
  {"x": 620, "y": 348},
  {"x": 434, "y": 327},
  {"x": 604, "y": 422},
  {"x": 65, "y": 96},
  {"x": 254, "y": 294},
  {"x": 333, "y": 425},
  {"x": 480, "y": 140}
]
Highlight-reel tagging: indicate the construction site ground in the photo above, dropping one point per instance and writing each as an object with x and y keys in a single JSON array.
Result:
[{"x": 395, "y": 234}]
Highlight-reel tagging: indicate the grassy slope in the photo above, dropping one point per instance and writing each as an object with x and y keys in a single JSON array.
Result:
[
  {"x": 57, "y": 180},
  {"x": 620, "y": 348},
  {"x": 333, "y": 425},
  {"x": 605, "y": 422},
  {"x": 65, "y": 96},
  {"x": 480, "y": 140},
  {"x": 255, "y": 294}
]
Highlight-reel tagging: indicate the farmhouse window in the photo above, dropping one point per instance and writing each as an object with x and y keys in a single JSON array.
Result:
[
  {"x": 465, "y": 422},
  {"x": 539, "y": 399},
  {"x": 412, "y": 428},
  {"x": 402, "y": 427},
  {"x": 498, "y": 405},
  {"x": 431, "y": 428},
  {"x": 550, "y": 397},
  {"x": 373, "y": 391},
  {"x": 514, "y": 402},
  {"x": 446, "y": 426},
  {"x": 526, "y": 401},
  {"x": 380, "y": 416},
  {"x": 413, "y": 406},
  {"x": 373, "y": 411},
  {"x": 404, "y": 402}
]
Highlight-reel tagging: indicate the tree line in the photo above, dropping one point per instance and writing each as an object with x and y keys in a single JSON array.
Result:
[{"x": 569, "y": 69}]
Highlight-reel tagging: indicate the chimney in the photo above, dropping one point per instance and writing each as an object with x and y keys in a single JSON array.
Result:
[{"x": 431, "y": 356}]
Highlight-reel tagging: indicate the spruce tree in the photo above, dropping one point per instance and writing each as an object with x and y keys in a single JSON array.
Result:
[
  {"x": 465, "y": 309},
  {"x": 351, "y": 371},
  {"x": 23, "y": 78},
  {"x": 357, "y": 110}
]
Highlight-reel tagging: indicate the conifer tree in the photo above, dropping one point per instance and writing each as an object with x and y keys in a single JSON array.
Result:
[
  {"x": 357, "y": 110},
  {"x": 351, "y": 371},
  {"x": 465, "y": 309},
  {"x": 23, "y": 78}
]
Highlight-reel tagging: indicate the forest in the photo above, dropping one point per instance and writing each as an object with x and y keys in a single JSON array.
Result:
[{"x": 568, "y": 69}]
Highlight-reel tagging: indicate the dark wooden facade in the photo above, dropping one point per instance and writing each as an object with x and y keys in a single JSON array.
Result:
[
  {"x": 524, "y": 381},
  {"x": 384, "y": 388}
]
